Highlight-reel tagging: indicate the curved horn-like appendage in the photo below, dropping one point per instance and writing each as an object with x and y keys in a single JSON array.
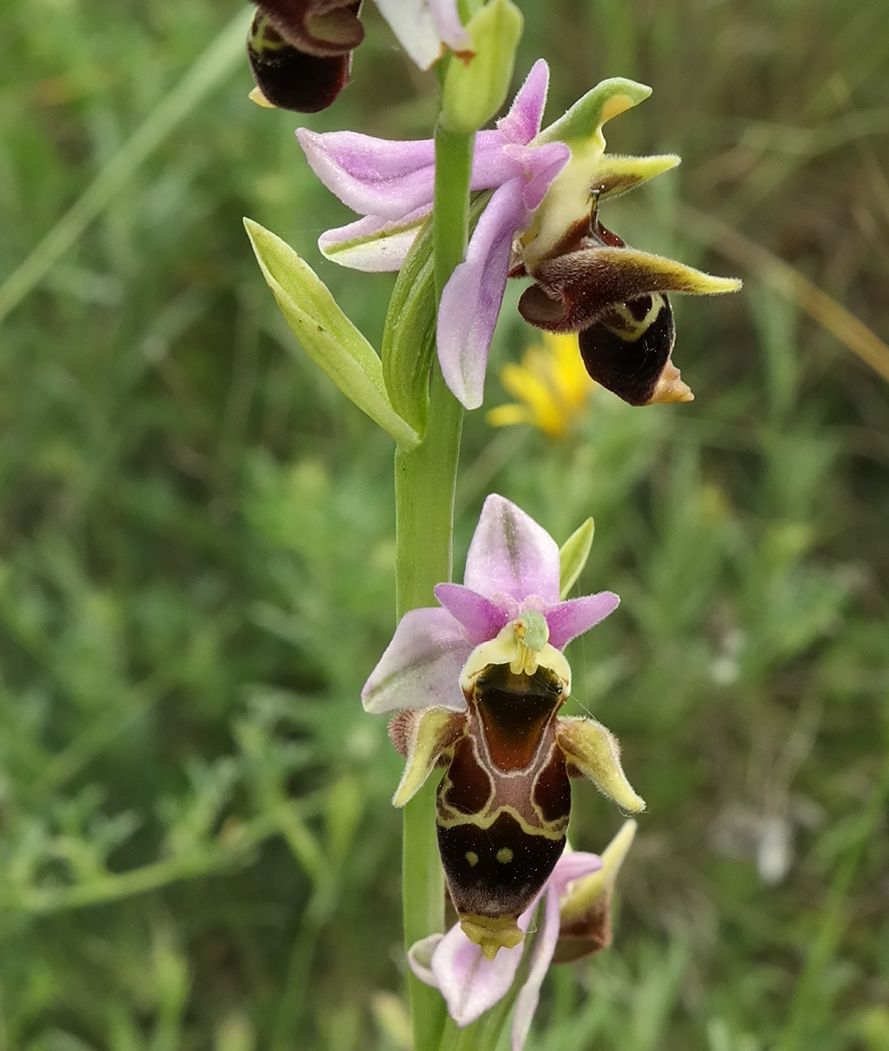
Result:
[
  {"x": 594, "y": 752},
  {"x": 424, "y": 737}
]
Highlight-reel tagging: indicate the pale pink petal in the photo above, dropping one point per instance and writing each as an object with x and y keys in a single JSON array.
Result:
[
  {"x": 471, "y": 299},
  {"x": 568, "y": 868},
  {"x": 572, "y": 865},
  {"x": 372, "y": 176},
  {"x": 481, "y": 618},
  {"x": 419, "y": 957},
  {"x": 569, "y": 619},
  {"x": 390, "y": 178},
  {"x": 421, "y": 666},
  {"x": 494, "y": 162},
  {"x": 522, "y": 122},
  {"x": 470, "y": 983},
  {"x": 511, "y": 554},
  {"x": 373, "y": 244}
]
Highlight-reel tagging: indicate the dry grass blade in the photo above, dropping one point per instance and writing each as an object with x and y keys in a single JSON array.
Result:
[{"x": 789, "y": 282}]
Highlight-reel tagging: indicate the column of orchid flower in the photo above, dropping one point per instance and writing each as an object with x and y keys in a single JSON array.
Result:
[{"x": 476, "y": 682}]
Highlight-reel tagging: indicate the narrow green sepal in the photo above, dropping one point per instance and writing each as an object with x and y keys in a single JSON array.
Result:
[
  {"x": 422, "y": 736},
  {"x": 475, "y": 87},
  {"x": 594, "y": 752},
  {"x": 326, "y": 334},
  {"x": 573, "y": 556},
  {"x": 584, "y": 120},
  {"x": 615, "y": 174}
]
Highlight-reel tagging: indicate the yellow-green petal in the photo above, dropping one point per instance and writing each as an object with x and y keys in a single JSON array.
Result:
[
  {"x": 424, "y": 735},
  {"x": 594, "y": 751}
]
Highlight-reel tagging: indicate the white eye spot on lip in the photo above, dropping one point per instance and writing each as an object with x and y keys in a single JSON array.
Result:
[
  {"x": 471, "y": 857},
  {"x": 504, "y": 855}
]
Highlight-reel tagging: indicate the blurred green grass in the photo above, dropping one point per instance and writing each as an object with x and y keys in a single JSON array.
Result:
[{"x": 195, "y": 837}]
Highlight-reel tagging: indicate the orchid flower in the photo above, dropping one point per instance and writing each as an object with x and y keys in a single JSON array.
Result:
[
  {"x": 391, "y": 185},
  {"x": 577, "y": 892},
  {"x": 301, "y": 50},
  {"x": 477, "y": 683},
  {"x": 541, "y": 222}
]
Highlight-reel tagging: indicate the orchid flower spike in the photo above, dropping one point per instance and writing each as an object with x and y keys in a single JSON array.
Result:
[
  {"x": 301, "y": 50},
  {"x": 477, "y": 684}
]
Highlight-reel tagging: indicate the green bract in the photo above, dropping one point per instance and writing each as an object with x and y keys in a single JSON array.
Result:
[{"x": 326, "y": 334}]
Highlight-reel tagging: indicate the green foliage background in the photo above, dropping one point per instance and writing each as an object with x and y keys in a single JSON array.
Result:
[{"x": 196, "y": 845}]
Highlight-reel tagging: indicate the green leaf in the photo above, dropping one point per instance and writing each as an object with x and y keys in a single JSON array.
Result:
[
  {"x": 326, "y": 334},
  {"x": 475, "y": 87},
  {"x": 573, "y": 555}
]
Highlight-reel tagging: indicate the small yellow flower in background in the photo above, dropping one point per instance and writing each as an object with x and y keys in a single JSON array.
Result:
[{"x": 551, "y": 386}]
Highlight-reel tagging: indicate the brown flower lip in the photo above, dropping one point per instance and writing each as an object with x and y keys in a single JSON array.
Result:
[
  {"x": 635, "y": 366},
  {"x": 613, "y": 297},
  {"x": 300, "y": 51}
]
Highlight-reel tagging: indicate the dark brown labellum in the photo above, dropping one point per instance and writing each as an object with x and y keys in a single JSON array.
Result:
[
  {"x": 291, "y": 77},
  {"x": 504, "y": 801},
  {"x": 628, "y": 349},
  {"x": 591, "y": 934}
]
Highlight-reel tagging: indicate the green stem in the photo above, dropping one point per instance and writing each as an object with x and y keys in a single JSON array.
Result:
[
  {"x": 425, "y": 484},
  {"x": 453, "y": 164}
]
